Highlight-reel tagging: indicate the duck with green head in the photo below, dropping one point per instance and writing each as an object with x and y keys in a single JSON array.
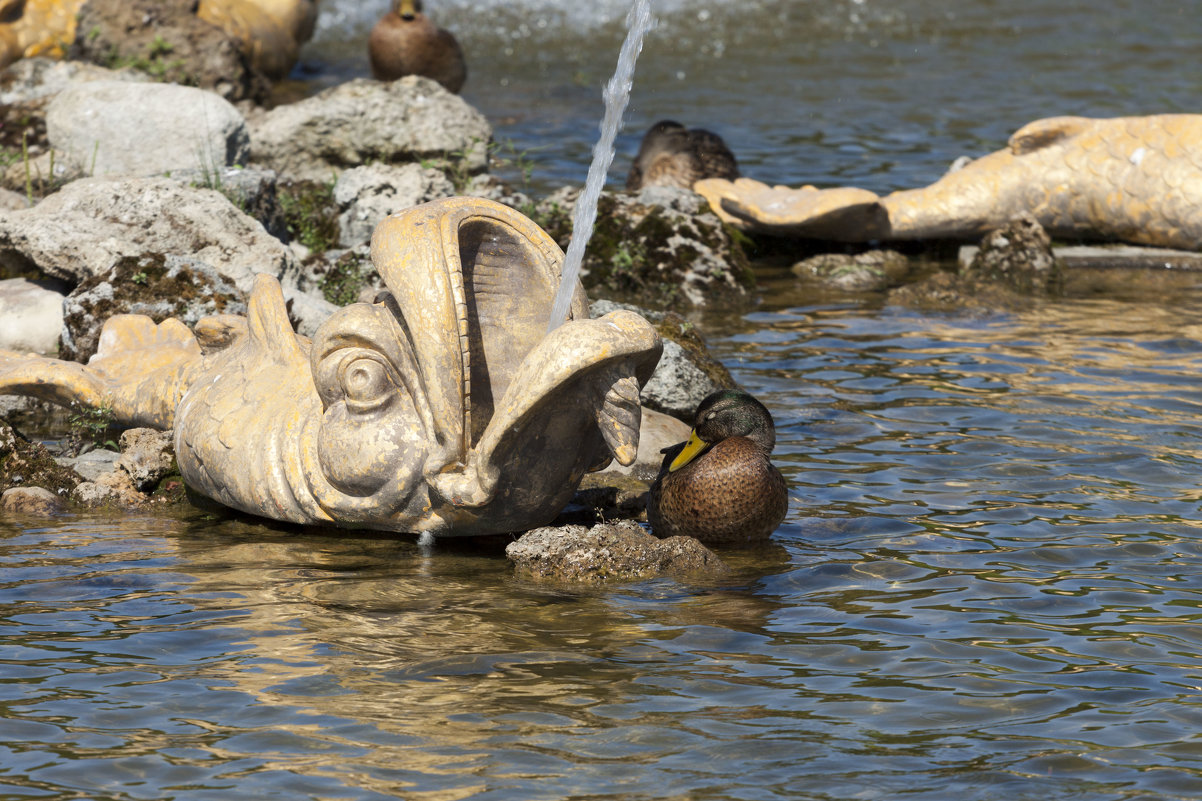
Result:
[{"x": 720, "y": 485}]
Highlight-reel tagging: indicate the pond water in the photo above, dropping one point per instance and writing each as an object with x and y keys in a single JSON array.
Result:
[{"x": 989, "y": 584}]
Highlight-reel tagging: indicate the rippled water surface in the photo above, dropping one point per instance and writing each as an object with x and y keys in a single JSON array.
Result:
[{"x": 989, "y": 585}]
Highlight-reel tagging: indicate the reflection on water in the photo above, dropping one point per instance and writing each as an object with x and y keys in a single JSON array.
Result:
[{"x": 988, "y": 586}]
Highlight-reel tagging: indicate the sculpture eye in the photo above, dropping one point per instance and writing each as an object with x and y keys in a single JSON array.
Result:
[{"x": 366, "y": 384}]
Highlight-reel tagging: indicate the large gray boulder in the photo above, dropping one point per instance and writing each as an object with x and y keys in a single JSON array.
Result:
[
  {"x": 88, "y": 225},
  {"x": 366, "y": 195},
  {"x": 122, "y": 128},
  {"x": 411, "y": 120}
]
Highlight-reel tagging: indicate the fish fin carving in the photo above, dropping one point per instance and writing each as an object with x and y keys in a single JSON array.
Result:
[
  {"x": 1045, "y": 133},
  {"x": 268, "y": 324}
]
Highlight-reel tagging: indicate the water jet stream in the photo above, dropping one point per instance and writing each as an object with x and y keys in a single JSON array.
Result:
[{"x": 616, "y": 95}]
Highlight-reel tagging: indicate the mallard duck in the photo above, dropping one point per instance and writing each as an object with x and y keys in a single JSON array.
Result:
[
  {"x": 672, "y": 155},
  {"x": 720, "y": 486},
  {"x": 406, "y": 42}
]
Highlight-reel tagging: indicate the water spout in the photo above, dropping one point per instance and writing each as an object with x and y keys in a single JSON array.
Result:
[{"x": 616, "y": 96}]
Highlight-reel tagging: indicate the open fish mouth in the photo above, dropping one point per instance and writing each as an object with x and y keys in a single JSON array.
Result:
[{"x": 496, "y": 405}]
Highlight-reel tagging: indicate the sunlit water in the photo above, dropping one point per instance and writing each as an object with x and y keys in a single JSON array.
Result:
[{"x": 989, "y": 584}]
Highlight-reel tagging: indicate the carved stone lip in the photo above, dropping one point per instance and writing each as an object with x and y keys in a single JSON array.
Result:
[{"x": 482, "y": 265}]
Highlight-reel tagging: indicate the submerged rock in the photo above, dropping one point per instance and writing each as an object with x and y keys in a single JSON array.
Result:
[
  {"x": 620, "y": 551},
  {"x": 1013, "y": 267},
  {"x": 859, "y": 272}
]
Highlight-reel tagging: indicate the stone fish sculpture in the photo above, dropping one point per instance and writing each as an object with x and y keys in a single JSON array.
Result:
[
  {"x": 444, "y": 407},
  {"x": 1134, "y": 179}
]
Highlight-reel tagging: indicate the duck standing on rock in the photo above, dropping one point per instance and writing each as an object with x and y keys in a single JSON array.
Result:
[
  {"x": 672, "y": 155},
  {"x": 406, "y": 42},
  {"x": 720, "y": 486}
]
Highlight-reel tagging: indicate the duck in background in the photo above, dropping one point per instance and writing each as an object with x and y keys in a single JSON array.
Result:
[
  {"x": 672, "y": 155},
  {"x": 720, "y": 485},
  {"x": 406, "y": 42}
]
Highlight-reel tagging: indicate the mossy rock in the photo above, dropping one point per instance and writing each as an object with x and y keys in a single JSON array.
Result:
[
  {"x": 155, "y": 285},
  {"x": 310, "y": 213},
  {"x": 653, "y": 254},
  {"x": 29, "y": 464}
]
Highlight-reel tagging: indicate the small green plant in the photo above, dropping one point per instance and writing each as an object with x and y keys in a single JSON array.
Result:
[
  {"x": 139, "y": 278},
  {"x": 89, "y": 428},
  {"x": 505, "y": 155},
  {"x": 310, "y": 214}
]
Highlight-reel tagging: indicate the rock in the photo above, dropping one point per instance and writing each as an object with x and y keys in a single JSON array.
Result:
[
  {"x": 253, "y": 190},
  {"x": 860, "y": 272},
  {"x": 492, "y": 188},
  {"x": 26, "y": 89},
  {"x": 114, "y": 488},
  {"x": 620, "y": 551},
  {"x": 1018, "y": 256},
  {"x": 12, "y": 201},
  {"x": 24, "y": 463},
  {"x": 366, "y": 195},
  {"x": 1013, "y": 267},
  {"x": 31, "y": 317},
  {"x": 155, "y": 285},
  {"x": 33, "y": 79},
  {"x": 147, "y": 456},
  {"x": 166, "y": 40},
  {"x": 686, "y": 372},
  {"x": 31, "y": 501},
  {"x": 86, "y": 227},
  {"x": 121, "y": 128},
  {"x": 91, "y": 464},
  {"x": 412, "y": 120},
  {"x": 652, "y": 252}
]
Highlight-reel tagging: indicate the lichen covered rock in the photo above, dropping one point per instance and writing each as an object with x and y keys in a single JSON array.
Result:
[
  {"x": 660, "y": 247},
  {"x": 620, "y": 551},
  {"x": 155, "y": 285}
]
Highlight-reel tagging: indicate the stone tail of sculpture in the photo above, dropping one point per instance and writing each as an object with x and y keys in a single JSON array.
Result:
[{"x": 139, "y": 372}]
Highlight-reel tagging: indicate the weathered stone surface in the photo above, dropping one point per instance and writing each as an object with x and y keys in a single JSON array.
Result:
[
  {"x": 122, "y": 128},
  {"x": 658, "y": 248},
  {"x": 1019, "y": 256},
  {"x": 12, "y": 201},
  {"x": 42, "y": 78},
  {"x": 24, "y": 463},
  {"x": 114, "y": 488},
  {"x": 88, "y": 225},
  {"x": 31, "y": 316},
  {"x": 686, "y": 372},
  {"x": 859, "y": 272},
  {"x": 166, "y": 40},
  {"x": 413, "y": 120},
  {"x": 1013, "y": 268},
  {"x": 37, "y": 501},
  {"x": 154, "y": 285},
  {"x": 91, "y": 464},
  {"x": 147, "y": 456},
  {"x": 252, "y": 190},
  {"x": 620, "y": 551},
  {"x": 366, "y": 195}
]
